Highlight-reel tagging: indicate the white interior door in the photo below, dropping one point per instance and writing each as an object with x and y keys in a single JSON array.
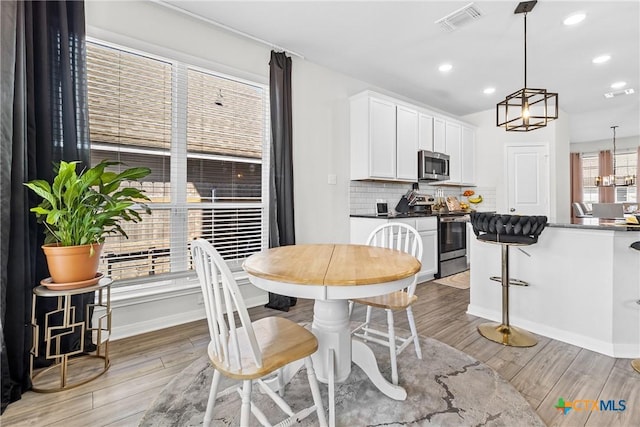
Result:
[{"x": 527, "y": 179}]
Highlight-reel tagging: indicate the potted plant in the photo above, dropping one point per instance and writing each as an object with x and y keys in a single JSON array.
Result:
[{"x": 80, "y": 210}]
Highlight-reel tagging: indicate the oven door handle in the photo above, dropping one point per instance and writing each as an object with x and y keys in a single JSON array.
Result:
[{"x": 454, "y": 219}]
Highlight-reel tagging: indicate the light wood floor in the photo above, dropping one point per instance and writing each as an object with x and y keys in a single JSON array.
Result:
[{"x": 143, "y": 365}]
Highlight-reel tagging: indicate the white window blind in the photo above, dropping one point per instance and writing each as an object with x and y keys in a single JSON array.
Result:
[
  {"x": 626, "y": 165},
  {"x": 206, "y": 159},
  {"x": 589, "y": 173}
]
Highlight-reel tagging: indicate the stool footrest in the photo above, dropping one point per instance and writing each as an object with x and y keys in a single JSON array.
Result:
[
  {"x": 507, "y": 335},
  {"x": 514, "y": 282}
]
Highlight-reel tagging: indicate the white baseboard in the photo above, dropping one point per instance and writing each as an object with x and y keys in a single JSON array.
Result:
[
  {"x": 163, "y": 322},
  {"x": 599, "y": 346},
  {"x": 158, "y": 323}
]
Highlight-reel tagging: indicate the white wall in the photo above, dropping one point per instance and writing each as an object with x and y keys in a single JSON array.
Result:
[{"x": 490, "y": 158}]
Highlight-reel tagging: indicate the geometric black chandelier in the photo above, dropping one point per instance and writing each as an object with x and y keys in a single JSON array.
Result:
[
  {"x": 527, "y": 109},
  {"x": 613, "y": 180}
]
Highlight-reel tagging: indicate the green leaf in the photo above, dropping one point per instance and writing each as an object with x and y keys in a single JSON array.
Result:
[
  {"x": 133, "y": 174},
  {"x": 42, "y": 189},
  {"x": 39, "y": 210}
]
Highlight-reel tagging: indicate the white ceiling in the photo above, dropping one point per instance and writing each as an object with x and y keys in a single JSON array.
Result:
[{"x": 397, "y": 46}]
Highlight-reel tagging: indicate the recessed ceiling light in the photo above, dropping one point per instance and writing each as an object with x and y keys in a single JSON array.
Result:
[
  {"x": 618, "y": 85},
  {"x": 574, "y": 19},
  {"x": 601, "y": 59},
  {"x": 445, "y": 68},
  {"x": 489, "y": 90}
]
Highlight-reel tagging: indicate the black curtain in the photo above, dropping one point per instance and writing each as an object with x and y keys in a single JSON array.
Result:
[
  {"x": 44, "y": 80},
  {"x": 281, "y": 218}
]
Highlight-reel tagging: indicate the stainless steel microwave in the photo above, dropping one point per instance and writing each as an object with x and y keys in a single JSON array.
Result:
[{"x": 432, "y": 166}]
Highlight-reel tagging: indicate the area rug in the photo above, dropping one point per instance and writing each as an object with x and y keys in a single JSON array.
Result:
[
  {"x": 459, "y": 280},
  {"x": 445, "y": 388}
]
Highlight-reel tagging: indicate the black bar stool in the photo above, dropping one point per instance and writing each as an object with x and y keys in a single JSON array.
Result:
[
  {"x": 507, "y": 230},
  {"x": 635, "y": 363}
]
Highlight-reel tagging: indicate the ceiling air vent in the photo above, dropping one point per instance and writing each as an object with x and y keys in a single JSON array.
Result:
[
  {"x": 460, "y": 17},
  {"x": 619, "y": 92}
]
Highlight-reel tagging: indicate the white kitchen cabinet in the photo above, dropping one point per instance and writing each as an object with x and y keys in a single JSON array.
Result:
[
  {"x": 384, "y": 139},
  {"x": 460, "y": 146},
  {"x": 427, "y": 227},
  {"x": 453, "y": 138},
  {"x": 425, "y": 132},
  {"x": 406, "y": 143},
  {"x": 382, "y": 135},
  {"x": 468, "y": 154},
  {"x": 439, "y": 143},
  {"x": 387, "y": 133}
]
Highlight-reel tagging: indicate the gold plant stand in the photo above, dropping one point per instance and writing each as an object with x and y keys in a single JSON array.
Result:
[{"x": 60, "y": 323}]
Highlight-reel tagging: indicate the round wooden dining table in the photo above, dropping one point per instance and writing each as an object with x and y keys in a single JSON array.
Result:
[{"x": 331, "y": 274}]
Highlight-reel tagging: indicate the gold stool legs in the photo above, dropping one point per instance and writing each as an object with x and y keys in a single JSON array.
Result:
[{"x": 503, "y": 333}]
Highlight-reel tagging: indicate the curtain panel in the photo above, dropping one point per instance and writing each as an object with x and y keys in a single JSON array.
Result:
[
  {"x": 281, "y": 210},
  {"x": 605, "y": 167},
  {"x": 44, "y": 120},
  {"x": 575, "y": 164}
]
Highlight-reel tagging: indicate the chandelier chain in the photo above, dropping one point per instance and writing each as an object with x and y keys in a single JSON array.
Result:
[{"x": 525, "y": 49}]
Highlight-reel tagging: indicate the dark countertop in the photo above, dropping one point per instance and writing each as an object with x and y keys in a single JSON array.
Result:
[
  {"x": 597, "y": 224},
  {"x": 408, "y": 215},
  {"x": 390, "y": 216}
]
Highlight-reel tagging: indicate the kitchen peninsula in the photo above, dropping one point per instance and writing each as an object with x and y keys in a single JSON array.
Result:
[{"x": 584, "y": 281}]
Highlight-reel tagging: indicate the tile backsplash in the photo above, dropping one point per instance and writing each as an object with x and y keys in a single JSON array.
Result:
[{"x": 364, "y": 194}]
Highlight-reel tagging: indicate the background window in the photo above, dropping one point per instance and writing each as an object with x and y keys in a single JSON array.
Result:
[
  {"x": 589, "y": 174},
  {"x": 203, "y": 136},
  {"x": 626, "y": 164}
]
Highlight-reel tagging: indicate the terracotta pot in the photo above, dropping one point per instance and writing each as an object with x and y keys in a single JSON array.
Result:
[{"x": 68, "y": 264}]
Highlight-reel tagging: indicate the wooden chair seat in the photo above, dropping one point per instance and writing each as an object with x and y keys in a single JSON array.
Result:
[
  {"x": 281, "y": 342},
  {"x": 398, "y": 300}
]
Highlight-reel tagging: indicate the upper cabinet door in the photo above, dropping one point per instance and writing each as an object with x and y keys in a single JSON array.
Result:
[
  {"x": 439, "y": 143},
  {"x": 382, "y": 122},
  {"x": 453, "y": 137},
  {"x": 425, "y": 132},
  {"x": 468, "y": 156},
  {"x": 407, "y": 143}
]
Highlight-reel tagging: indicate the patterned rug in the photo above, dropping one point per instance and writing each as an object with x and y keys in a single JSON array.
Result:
[
  {"x": 459, "y": 280},
  {"x": 446, "y": 388}
]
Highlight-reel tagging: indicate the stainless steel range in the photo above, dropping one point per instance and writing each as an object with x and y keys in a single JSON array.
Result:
[{"x": 452, "y": 243}]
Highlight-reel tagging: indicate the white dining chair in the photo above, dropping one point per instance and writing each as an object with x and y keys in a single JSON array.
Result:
[
  {"x": 249, "y": 351},
  {"x": 402, "y": 237}
]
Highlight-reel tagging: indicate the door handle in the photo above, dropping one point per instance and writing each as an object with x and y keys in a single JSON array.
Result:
[{"x": 512, "y": 210}]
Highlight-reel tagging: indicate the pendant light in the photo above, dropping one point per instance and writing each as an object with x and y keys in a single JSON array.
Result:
[
  {"x": 527, "y": 109},
  {"x": 612, "y": 180}
]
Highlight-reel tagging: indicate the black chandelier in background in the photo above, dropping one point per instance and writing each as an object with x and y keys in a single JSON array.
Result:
[
  {"x": 527, "y": 109},
  {"x": 613, "y": 180}
]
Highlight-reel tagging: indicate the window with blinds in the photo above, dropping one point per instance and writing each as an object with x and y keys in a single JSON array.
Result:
[
  {"x": 589, "y": 173},
  {"x": 203, "y": 137},
  {"x": 626, "y": 165}
]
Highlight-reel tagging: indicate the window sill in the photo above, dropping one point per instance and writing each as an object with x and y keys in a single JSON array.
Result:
[{"x": 127, "y": 294}]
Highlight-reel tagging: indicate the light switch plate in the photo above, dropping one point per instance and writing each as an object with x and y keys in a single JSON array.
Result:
[{"x": 332, "y": 179}]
